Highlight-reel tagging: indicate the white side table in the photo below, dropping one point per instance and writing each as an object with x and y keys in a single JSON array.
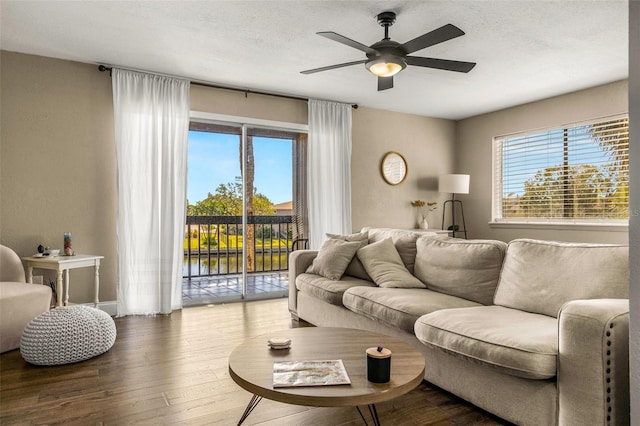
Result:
[{"x": 62, "y": 264}]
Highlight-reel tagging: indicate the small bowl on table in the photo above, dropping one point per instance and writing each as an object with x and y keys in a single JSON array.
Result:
[{"x": 52, "y": 252}]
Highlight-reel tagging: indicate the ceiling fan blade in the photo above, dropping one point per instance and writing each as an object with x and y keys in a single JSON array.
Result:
[
  {"x": 441, "y": 64},
  {"x": 330, "y": 67},
  {"x": 439, "y": 35},
  {"x": 345, "y": 40},
  {"x": 385, "y": 83}
]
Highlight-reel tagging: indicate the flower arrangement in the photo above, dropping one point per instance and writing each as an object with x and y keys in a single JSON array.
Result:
[
  {"x": 431, "y": 205},
  {"x": 422, "y": 217}
]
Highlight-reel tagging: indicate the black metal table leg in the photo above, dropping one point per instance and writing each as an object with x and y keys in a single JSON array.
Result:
[
  {"x": 374, "y": 415},
  {"x": 362, "y": 416},
  {"x": 255, "y": 399}
]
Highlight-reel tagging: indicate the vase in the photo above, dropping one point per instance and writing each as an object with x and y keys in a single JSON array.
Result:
[{"x": 422, "y": 222}]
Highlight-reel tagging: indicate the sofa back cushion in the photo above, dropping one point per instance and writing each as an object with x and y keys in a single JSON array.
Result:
[
  {"x": 465, "y": 268},
  {"x": 540, "y": 276},
  {"x": 403, "y": 239}
]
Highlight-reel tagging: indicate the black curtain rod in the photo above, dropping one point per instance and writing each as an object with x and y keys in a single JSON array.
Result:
[{"x": 103, "y": 68}]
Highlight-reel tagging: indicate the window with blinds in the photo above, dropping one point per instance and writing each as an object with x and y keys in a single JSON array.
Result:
[{"x": 573, "y": 174}]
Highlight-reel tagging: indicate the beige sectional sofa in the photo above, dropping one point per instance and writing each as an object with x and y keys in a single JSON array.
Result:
[
  {"x": 20, "y": 302},
  {"x": 535, "y": 332}
]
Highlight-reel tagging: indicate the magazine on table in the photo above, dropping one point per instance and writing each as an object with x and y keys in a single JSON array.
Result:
[{"x": 309, "y": 373}]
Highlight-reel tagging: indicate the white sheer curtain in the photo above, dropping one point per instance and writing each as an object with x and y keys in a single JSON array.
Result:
[
  {"x": 329, "y": 174},
  {"x": 151, "y": 115}
]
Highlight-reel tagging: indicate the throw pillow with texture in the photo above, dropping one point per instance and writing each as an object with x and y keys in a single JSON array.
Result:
[
  {"x": 333, "y": 258},
  {"x": 385, "y": 267},
  {"x": 403, "y": 239},
  {"x": 355, "y": 268}
]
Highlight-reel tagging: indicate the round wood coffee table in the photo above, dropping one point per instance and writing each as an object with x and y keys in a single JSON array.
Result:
[{"x": 251, "y": 367}]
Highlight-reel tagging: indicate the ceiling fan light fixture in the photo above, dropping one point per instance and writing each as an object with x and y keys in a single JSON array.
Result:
[
  {"x": 386, "y": 66},
  {"x": 387, "y": 57}
]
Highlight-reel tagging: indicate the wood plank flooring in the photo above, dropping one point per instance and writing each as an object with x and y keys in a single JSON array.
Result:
[{"x": 172, "y": 370}]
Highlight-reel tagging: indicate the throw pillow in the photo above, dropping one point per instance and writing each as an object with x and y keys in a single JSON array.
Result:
[
  {"x": 355, "y": 268},
  {"x": 333, "y": 258},
  {"x": 403, "y": 239},
  {"x": 385, "y": 267}
]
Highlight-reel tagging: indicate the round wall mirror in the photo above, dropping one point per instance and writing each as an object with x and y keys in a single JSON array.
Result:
[{"x": 393, "y": 168}]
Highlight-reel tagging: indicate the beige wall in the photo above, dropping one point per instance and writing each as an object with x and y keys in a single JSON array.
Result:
[
  {"x": 427, "y": 145},
  {"x": 58, "y": 164},
  {"x": 228, "y": 102},
  {"x": 474, "y": 157}
]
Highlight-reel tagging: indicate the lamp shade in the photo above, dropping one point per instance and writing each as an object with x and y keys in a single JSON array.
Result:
[
  {"x": 454, "y": 184},
  {"x": 386, "y": 65}
]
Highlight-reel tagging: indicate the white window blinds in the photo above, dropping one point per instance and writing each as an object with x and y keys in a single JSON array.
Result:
[{"x": 574, "y": 174}]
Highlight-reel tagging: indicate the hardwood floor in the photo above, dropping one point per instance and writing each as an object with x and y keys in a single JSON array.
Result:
[{"x": 173, "y": 370}]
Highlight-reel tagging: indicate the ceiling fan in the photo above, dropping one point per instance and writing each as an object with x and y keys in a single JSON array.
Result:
[{"x": 387, "y": 57}]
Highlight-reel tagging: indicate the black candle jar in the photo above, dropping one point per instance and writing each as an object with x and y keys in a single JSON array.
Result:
[{"x": 378, "y": 365}]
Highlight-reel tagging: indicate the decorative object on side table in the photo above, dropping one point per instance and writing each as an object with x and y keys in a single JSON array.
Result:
[
  {"x": 46, "y": 251},
  {"x": 52, "y": 252},
  {"x": 424, "y": 207},
  {"x": 454, "y": 184},
  {"x": 68, "y": 249}
]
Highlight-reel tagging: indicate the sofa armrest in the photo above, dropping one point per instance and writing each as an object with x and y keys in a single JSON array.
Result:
[
  {"x": 593, "y": 362},
  {"x": 299, "y": 261}
]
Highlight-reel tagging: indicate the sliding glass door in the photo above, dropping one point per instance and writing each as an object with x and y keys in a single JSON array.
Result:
[{"x": 242, "y": 215}]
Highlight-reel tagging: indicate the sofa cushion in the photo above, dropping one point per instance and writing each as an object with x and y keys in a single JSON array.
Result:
[
  {"x": 333, "y": 258},
  {"x": 463, "y": 268},
  {"x": 355, "y": 268},
  {"x": 515, "y": 342},
  {"x": 398, "y": 307},
  {"x": 540, "y": 276},
  {"x": 328, "y": 290},
  {"x": 383, "y": 264},
  {"x": 403, "y": 239}
]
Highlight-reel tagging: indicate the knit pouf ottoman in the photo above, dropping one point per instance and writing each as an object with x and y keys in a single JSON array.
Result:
[{"x": 67, "y": 334}]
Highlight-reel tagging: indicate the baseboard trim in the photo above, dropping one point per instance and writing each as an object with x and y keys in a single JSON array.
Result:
[{"x": 109, "y": 307}]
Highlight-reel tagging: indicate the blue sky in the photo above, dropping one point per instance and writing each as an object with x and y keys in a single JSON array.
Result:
[
  {"x": 213, "y": 159},
  {"x": 546, "y": 150}
]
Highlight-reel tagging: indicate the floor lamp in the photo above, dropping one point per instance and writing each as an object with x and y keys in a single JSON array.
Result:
[{"x": 454, "y": 184}]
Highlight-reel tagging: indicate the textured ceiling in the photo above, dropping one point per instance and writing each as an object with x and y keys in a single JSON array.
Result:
[{"x": 525, "y": 50}]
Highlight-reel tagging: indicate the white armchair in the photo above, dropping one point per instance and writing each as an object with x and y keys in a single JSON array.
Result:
[{"x": 20, "y": 302}]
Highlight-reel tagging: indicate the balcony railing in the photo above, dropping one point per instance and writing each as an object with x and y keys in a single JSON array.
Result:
[{"x": 213, "y": 244}]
